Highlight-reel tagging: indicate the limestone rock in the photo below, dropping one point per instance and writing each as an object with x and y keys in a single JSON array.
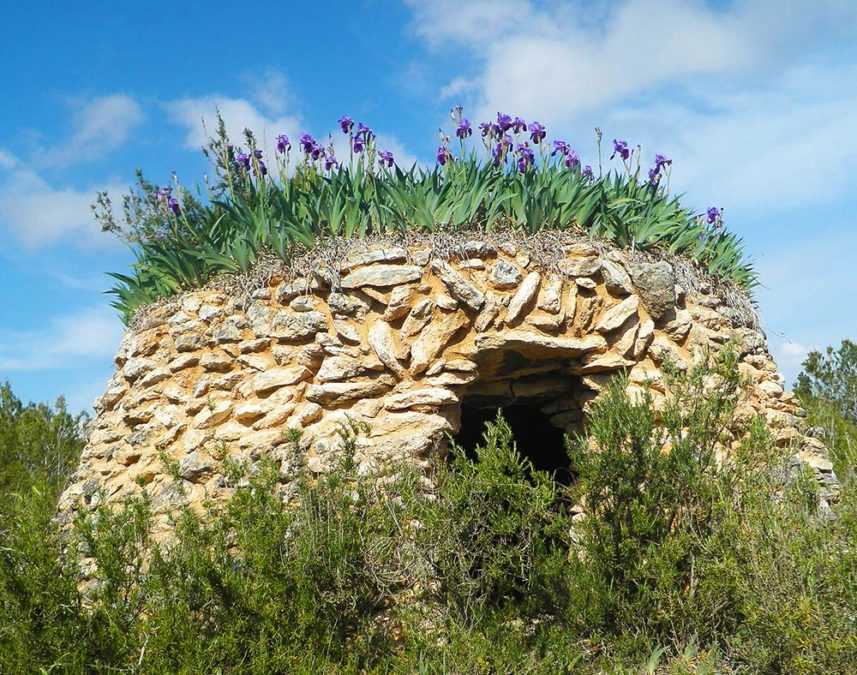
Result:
[
  {"x": 373, "y": 254},
  {"x": 523, "y": 298},
  {"x": 342, "y": 304},
  {"x": 458, "y": 286},
  {"x": 530, "y": 343},
  {"x": 275, "y": 378},
  {"x": 616, "y": 279},
  {"x": 418, "y": 318},
  {"x": 213, "y": 414},
  {"x": 400, "y": 303},
  {"x": 433, "y": 339},
  {"x": 550, "y": 298},
  {"x": 339, "y": 392},
  {"x": 617, "y": 315},
  {"x": 382, "y": 275},
  {"x": 428, "y": 396},
  {"x": 504, "y": 275},
  {"x": 580, "y": 267},
  {"x": 290, "y": 327},
  {"x": 380, "y": 338},
  {"x": 655, "y": 283}
]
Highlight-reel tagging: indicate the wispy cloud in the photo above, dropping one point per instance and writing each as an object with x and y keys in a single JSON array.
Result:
[
  {"x": 89, "y": 335},
  {"x": 37, "y": 213},
  {"x": 99, "y": 126}
]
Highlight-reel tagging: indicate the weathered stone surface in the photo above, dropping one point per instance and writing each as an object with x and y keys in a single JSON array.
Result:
[
  {"x": 290, "y": 327},
  {"x": 580, "y": 267},
  {"x": 418, "y": 318},
  {"x": 268, "y": 381},
  {"x": 528, "y": 342},
  {"x": 616, "y": 279},
  {"x": 218, "y": 362},
  {"x": 213, "y": 414},
  {"x": 380, "y": 338},
  {"x": 433, "y": 339},
  {"x": 617, "y": 315},
  {"x": 428, "y": 396},
  {"x": 655, "y": 283},
  {"x": 504, "y": 275},
  {"x": 382, "y": 275},
  {"x": 373, "y": 254},
  {"x": 342, "y": 304},
  {"x": 400, "y": 303},
  {"x": 458, "y": 286},
  {"x": 523, "y": 299},
  {"x": 337, "y": 392}
]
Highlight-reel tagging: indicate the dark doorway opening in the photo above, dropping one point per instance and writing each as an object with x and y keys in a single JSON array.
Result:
[{"x": 535, "y": 437}]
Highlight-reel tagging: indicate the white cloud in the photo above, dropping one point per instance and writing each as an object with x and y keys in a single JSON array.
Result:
[
  {"x": 7, "y": 160},
  {"x": 38, "y": 214},
  {"x": 99, "y": 126},
  {"x": 198, "y": 116},
  {"x": 88, "y": 335}
]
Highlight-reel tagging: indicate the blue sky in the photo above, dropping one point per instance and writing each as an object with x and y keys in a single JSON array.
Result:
[{"x": 755, "y": 101}]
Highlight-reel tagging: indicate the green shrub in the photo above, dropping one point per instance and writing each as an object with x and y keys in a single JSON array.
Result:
[{"x": 681, "y": 563}]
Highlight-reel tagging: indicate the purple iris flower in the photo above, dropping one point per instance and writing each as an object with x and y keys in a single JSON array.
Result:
[
  {"x": 572, "y": 161},
  {"x": 560, "y": 147},
  {"x": 498, "y": 153},
  {"x": 661, "y": 161},
  {"x": 263, "y": 170},
  {"x": 620, "y": 148},
  {"x": 242, "y": 160},
  {"x": 714, "y": 215},
  {"x": 330, "y": 160},
  {"x": 504, "y": 122},
  {"x": 308, "y": 143},
  {"x": 317, "y": 151},
  {"x": 518, "y": 125},
  {"x": 346, "y": 124},
  {"x": 537, "y": 132},
  {"x": 164, "y": 192},
  {"x": 365, "y": 132},
  {"x": 173, "y": 203},
  {"x": 463, "y": 130},
  {"x": 386, "y": 157},
  {"x": 486, "y": 129},
  {"x": 443, "y": 155},
  {"x": 587, "y": 172},
  {"x": 525, "y": 157},
  {"x": 283, "y": 144},
  {"x": 357, "y": 144}
]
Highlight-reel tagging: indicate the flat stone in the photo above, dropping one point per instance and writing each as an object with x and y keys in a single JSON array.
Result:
[
  {"x": 433, "y": 339},
  {"x": 504, "y": 275},
  {"x": 290, "y": 327},
  {"x": 340, "y": 368},
  {"x": 445, "y": 302},
  {"x": 136, "y": 368},
  {"x": 303, "y": 303},
  {"x": 373, "y": 254},
  {"x": 380, "y": 338},
  {"x": 298, "y": 287},
  {"x": 255, "y": 361},
  {"x": 428, "y": 396},
  {"x": 382, "y": 275},
  {"x": 531, "y": 343},
  {"x": 655, "y": 283},
  {"x": 488, "y": 314},
  {"x": 523, "y": 298},
  {"x": 644, "y": 338},
  {"x": 213, "y": 414},
  {"x": 461, "y": 289},
  {"x": 269, "y": 380},
  {"x": 250, "y": 346},
  {"x": 217, "y": 362},
  {"x": 155, "y": 376},
  {"x": 338, "y": 392},
  {"x": 585, "y": 283},
  {"x": 604, "y": 363},
  {"x": 208, "y": 312},
  {"x": 617, "y": 315}
]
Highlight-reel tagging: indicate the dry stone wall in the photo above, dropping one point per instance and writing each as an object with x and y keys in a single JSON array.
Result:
[{"x": 398, "y": 338}]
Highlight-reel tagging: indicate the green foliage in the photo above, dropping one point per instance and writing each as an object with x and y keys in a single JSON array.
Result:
[
  {"x": 678, "y": 563},
  {"x": 832, "y": 376},
  {"x": 246, "y": 215}
]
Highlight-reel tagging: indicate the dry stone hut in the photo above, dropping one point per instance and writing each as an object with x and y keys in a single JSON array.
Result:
[{"x": 420, "y": 340}]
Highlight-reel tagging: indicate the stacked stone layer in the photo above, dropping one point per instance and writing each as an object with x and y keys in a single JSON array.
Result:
[{"x": 398, "y": 340}]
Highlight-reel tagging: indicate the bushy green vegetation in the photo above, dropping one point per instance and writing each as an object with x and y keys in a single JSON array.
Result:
[
  {"x": 182, "y": 240},
  {"x": 680, "y": 566}
]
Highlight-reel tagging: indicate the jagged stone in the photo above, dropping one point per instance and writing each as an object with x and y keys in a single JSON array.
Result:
[
  {"x": 373, "y": 254},
  {"x": 269, "y": 380},
  {"x": 504, "y": 275},
  {"x": 380, "y": 338},
  {"x": 342, "y": 304},
  {"x": 550, "y": 298},
  {"x": 291, "y": 327},
  {"x": 616, "y": 279},
  {"x": 655, "y": 284},
  {"x": 428, "y": 396},
  {"x": 534, "y": 343},
  {"x": 433, "y": 339},
  {"x": 400, "y": 303},
  {"x": 338, "y": 392},
  {"x": 617, "y": 315},
  {"x": 523, "y": 298},
  {"x": 458, "y": 286},
  {"x": 580, "y": 267}
]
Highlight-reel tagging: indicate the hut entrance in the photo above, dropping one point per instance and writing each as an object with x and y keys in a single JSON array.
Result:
[{"x": 536, "y": 438}]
